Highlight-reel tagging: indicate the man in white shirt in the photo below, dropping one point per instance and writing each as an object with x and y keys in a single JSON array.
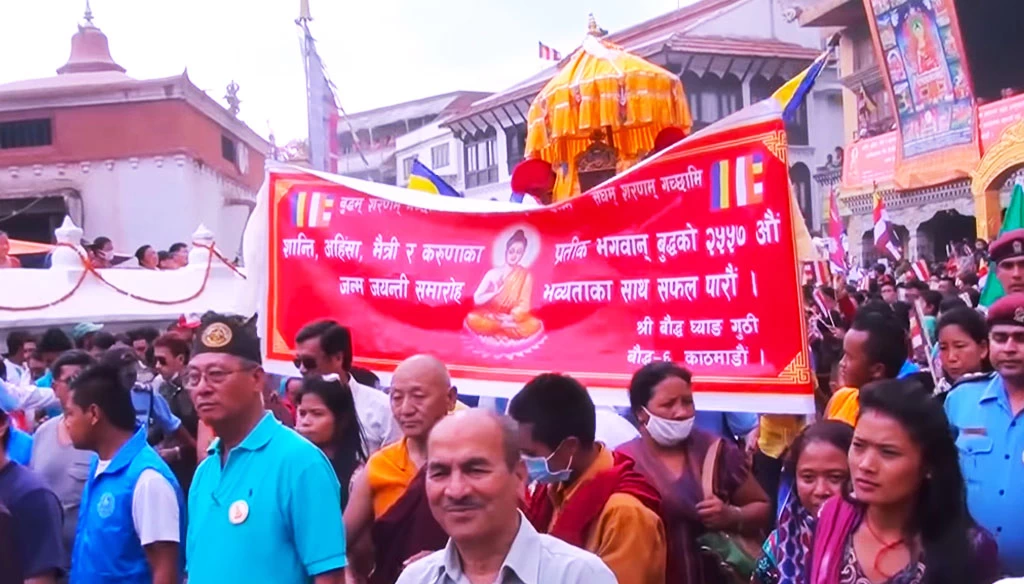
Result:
[
  {"x": 474, "y": 480},
  {"x": 325, "y": 347},
  {"x": 20, "y": 345},
  {"x": 132, "y": 516}
]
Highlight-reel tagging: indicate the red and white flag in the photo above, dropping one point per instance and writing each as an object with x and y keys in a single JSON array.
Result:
[
  {"x": 886, "y": 240},
  {"x": 920, "y": 268},
  {"x": 547, "y": 53},
  {"x": 837, "y": 252}
]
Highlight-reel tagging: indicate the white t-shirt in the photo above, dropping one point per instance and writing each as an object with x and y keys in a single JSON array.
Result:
[
  {"x": 155, "y": 509},
  {"x": 612, "y": 429},
  {"x": 373, "y": 408}
]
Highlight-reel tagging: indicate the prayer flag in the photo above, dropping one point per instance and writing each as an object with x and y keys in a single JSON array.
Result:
[
  {"x": 547, "y": 53},
  {"x": 423, "y": 179},
  {"x": 837, "y": 251},
  {"x": 886, "y": 240}
]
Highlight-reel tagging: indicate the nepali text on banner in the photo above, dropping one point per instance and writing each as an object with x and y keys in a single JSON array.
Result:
[{"x": 689, "y": 258}]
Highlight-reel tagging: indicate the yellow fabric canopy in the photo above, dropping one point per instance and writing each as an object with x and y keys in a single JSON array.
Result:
[{"x": 602, "y": 88}]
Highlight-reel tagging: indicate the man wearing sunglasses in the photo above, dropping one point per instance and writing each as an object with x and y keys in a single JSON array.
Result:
[
  {"x": 170, "y": 354},
  {"x": 324, "y": 347}
]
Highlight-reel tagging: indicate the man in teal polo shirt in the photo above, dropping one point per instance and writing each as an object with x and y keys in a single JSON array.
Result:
[
  {"x": 265, "y": 505},
  {"x": 988, "y": 414}
]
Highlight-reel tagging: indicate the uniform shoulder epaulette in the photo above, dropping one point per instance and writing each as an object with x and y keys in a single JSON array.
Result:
[{"x": 972, "y": 377}]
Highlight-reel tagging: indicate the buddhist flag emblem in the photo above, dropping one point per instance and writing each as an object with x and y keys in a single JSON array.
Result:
[
  {"x": 737, "y": 183},
  {"x": 312, "y": 209}
]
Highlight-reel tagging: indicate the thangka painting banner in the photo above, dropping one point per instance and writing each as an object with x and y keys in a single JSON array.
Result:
[
  {"x": 689, "y": 257},
  {"x": 919, "y": 43}
]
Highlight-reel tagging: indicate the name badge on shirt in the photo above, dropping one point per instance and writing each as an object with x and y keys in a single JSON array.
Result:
[
  {"x": 238, "y": 512},
  {"x": 975, "y": 432}
]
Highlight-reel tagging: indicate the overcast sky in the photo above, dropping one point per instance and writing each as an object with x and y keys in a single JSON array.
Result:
[{"x": 378, "y": 52}]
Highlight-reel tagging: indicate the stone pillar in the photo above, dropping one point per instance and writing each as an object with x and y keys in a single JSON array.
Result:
[{"x": 987, "y": 213}]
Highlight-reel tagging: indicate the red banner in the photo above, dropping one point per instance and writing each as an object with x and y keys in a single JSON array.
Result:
[
  {"x": 689, "y": 257},
  {"x": 870, "y": 161},
  {"x": 995, "y": 117}
]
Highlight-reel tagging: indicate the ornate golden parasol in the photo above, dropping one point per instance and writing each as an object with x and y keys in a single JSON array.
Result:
[{"x": 606, "y": 100}]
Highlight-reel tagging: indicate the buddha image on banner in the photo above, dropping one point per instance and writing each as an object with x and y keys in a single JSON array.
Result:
[{"x": 501, "y": 323}]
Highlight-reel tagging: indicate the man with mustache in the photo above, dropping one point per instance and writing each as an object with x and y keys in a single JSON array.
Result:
[
  {"x": 987, "y": 411},
  {"x": 265, "y": 505},
  {"x": 1008, "y": 254},
  {"x": 388, "y": 499},
  {"x": 474, "y": 481}
]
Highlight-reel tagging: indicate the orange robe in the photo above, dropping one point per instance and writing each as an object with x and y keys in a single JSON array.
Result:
[
  {"x": 627, "y": 535},
  {"x": 513, "y": 300},
  {"x": 844, "y": 406},
  {"x": 389, "y": 472}
]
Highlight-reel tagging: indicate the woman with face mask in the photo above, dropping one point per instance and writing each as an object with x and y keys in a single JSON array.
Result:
[
  {"x": 670, "y": 453},
  {"x": 815, "y": 470}
]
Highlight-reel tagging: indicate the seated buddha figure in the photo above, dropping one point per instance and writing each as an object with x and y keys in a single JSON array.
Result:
[{"x": 503, "y": 298}]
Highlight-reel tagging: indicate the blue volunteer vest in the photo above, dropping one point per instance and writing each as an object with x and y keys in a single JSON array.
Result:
[{"x": 107, "y": 548}]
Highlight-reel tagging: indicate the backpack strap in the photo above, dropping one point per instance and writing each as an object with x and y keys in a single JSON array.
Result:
[{"x": 707, "y": 475}]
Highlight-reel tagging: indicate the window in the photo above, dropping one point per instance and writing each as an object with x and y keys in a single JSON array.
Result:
[
  {"x": 731, "y": 96},
  {"x": 228, "y": 149},
  {"x": 26, "y": 134},
  {"x": 439, "y": 156},
  {"x": 515, "y": 142},
  {"x": 800, "y": 175},
  {"x": 407, "y": 166},
  {"x": 481, "y": 159}
]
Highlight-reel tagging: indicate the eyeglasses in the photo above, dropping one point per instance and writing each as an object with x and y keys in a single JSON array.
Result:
[
  {"x": 161, "y": 361},
  {"x": 213, "y": 377},
  {"x": 307, "y": 363}
]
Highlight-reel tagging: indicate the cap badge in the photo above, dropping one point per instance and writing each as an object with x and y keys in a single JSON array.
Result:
[
  {"x": 216, "y": 335},
  {"x": 1018, "y": 315},
  {"x": 1018, "y": 247}
]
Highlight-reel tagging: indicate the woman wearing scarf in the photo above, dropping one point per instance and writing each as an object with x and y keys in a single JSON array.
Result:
[
  {"x": 905, "y": 520},
  {"x": 817, "y": 467}
]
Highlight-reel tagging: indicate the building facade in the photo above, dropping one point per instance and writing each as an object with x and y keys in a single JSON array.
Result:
[
  {"x": 728, "y": 53},
  {"x": 139, "y": 161},
  {"x": 368, "y": 141},
  {"x": 933, "y": 217}
]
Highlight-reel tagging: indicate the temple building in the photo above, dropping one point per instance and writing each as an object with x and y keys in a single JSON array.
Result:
[
  {"x": 138, "y": 161},
  {"x": 380, "y": 144},
  {"x": 728, "y": 53},
  {"x": 961, "y": 49}
]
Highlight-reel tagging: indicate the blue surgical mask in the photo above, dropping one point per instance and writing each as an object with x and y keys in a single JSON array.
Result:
[{"x": 538, "y": 471}]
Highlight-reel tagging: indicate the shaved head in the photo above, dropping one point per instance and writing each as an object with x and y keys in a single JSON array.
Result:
[
  {"x": 421, "y": 394},
  {"x": 426, "y": 369}
]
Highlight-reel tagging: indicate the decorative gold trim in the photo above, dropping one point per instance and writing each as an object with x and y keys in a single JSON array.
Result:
[
  {"x": 778, "y": 145},
  {"x": 1003, "y": 156},
  {"x": 798, "y": 371}
]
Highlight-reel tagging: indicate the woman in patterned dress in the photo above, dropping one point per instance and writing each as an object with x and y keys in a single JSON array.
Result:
[
  {"x": 816, "y": 469},
  {"x": 905, "y": 520}
]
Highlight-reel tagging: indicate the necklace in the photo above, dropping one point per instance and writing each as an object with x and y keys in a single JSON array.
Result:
[{"x": 886, "y": 548}]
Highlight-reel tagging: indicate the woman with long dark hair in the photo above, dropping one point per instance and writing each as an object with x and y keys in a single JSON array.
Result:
[
  {"x": 963, "y": 343},
  {"x": 326, "y": 416},
  {"x": 905, "y": 520},
  {"x": 815, "y": 469}
]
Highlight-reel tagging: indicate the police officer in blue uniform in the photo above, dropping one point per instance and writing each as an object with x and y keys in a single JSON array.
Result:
[
  {"x": 1007, "y": 251},
  {"x": 987, "y": 412}
]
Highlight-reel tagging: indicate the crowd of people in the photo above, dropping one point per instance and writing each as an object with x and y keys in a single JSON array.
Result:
[
  {"x": 101, "y": 253},
  {"x": 155, "y": 456}
]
